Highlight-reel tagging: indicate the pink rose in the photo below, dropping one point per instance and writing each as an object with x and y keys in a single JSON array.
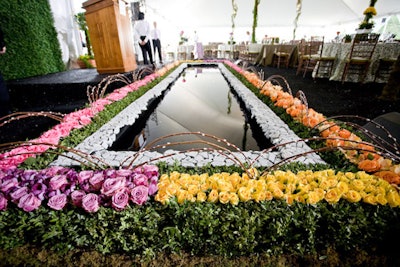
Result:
[
  {"x": 84, "y": 176},
  {"x": 29, "y": 202},
  {"x": 57, "y": 202},
  {"x": 90, "y": 202},
  {"x": 77, "y": 196},
  {"x": 112, "y": 185},
  {"x": 97, "y": 180},
  {"x": 17, "y": 194},
  {"x": 57, "y": 182},
  {"x": 3, "y": 202},
  {"x": 139, "y": 194},
  {"x": 120, "y": 200},
  {"x": 140, "y": 179}
]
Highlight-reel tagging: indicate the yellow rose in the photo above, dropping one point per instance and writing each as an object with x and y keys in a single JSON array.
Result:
[
  {"x": 312, "y": 197},
  {"x": 223, "y": 197},
  {"x": 162, "y": 197},
  {"x": 213, "y": 196},
  {"x": 299, "y": 198},
  {"x": 289, "y": 199},
  {"x": 181, "y": 196},
  {"x": 234, "y": 179},
  {"x": 172, "y": 189},
  {"x": 193, "y": 189},
  {"x": 333, "y": 195},
  {"x": 244, "y": 193},
  {"x": 268, "y": 195},
  {"x": 393, "y": 198},
  {"x": 233, "y": 198},
  {"x": 201, "y": 196},
  {"x": 225, "y": 186},
  {"x": 174, "y": 176},
  {"x": 352, "y": 196},
  {"x": 259, "y": 196},
  {"x": 357, "y": 185},
  {"x": 381, "y": 199},
  {"x": 343, "y": 187},
  {"x": 324, "y": 184},
  {"x": 370, "y": 199}
]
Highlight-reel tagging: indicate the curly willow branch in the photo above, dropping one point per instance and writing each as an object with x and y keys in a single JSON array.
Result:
[
  {"x": 85, "y": 156},
  {"x": 94, "y": 93},
  {"x": 274, "y": 78},
  {"x": 22, "y": 115}
]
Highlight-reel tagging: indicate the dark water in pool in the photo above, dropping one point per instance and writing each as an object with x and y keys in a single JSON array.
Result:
[{"x": 199, "y": 101}]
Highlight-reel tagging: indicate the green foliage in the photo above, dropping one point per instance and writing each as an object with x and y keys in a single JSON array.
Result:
[
  {"x": 272, "y": 227},
  {"x": 31, "y": 39}
]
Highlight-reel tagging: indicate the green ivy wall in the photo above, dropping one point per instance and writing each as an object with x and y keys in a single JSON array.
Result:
[{"x": 32, "y": 45}]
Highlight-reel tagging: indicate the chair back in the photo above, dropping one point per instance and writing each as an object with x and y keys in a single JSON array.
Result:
[
  {"x": 316, "y": 45},
  {"x": 363, "y": 45}
]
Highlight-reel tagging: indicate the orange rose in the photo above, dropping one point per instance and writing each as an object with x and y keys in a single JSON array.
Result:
[
  {"x": 369, "y": 165},
  {"x": 389, "y": 176}
]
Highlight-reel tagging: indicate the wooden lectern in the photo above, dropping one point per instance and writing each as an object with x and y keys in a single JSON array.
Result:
[{"x": 111, "y": 36}]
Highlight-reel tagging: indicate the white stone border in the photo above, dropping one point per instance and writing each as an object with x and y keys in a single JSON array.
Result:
[{"x": 272, "y": 126}]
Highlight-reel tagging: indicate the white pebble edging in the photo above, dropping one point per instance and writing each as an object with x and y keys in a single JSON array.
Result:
[{"x": 272, "y": 126}]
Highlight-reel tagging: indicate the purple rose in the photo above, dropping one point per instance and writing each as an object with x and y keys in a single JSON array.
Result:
[
  {"x": 39, "y": 189},
  {"x": 120, "y": 200},
  {"x": 140, "y": 179},
  {"x": 3, "y": 202},
  {"x": 52, "y": 171},
  {"x": 97, "y": 180},
  {"x": 57, "y": 182},
  {"x": 139, "y": 194},
  {"x": 124, "y": 172},
  {"x": 83, "y": 176},
  {"x": 90, "y": 202},
  {"x": 77, "y": 196},
  {"x": 150, "y": 170},
  {"x": 112, "y": 185},
  {"x": 57, "y": 202},
  {"x": 29, "y": 202},
  {"x": 153, "y": 187},
  {"x": 18, "y": 193},
  {"x": 9, "y": 184}
]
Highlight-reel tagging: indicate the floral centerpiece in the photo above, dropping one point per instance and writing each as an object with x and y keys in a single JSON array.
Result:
[{"x": 367, "y": 23}]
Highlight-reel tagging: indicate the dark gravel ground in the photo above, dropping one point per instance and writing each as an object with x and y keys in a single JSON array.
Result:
[{"x": 66, "y": 92}]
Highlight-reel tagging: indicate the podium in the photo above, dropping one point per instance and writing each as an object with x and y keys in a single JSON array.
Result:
[{"x": 111, "y": 35}]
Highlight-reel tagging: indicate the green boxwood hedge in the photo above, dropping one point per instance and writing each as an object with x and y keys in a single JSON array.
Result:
[{"x": 32, "y": 45}]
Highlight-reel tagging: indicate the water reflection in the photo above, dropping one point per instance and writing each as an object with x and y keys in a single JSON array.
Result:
[{"x": 200, "y": 100}]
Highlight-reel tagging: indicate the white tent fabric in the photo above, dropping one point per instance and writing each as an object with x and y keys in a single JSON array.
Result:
[{"x": 276, "y": 17}]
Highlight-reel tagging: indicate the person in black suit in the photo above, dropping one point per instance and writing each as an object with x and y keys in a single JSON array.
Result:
[{"x": 142, "y": 36}]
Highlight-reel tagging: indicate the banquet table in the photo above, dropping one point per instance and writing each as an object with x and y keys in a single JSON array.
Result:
[
  {"x": 342, "y": 51},
  {"x": 266, "y": 56}
]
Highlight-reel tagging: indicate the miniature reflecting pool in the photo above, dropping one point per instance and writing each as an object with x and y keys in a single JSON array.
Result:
[{"x": 200, "y": 100}]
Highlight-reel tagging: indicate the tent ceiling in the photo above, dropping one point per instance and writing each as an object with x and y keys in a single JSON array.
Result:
[{"x": 272, "y": 13}]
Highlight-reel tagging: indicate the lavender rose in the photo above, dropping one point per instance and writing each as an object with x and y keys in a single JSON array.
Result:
[
  {"x": 97, "y": 180},
  {"x": 150, "y": 170},
  {"x": 57, "y": 182},
  {"x": 112, "y": 185},
  {"x": 57, "y": 202},
  {"x": 18, "y": 193},
  {"x": 83, "y": 176},
  {"x": 120, "y": 200},
  {"x": 77, "y": 196},
  {"x": 140, "y": 179},
  {"x": 139, "y": 194},
  {"x": 29, "y": 202},
  {"x": 153, "y": 187},
  {"x": 9, "y": 184},
  {"x": 3, "y": 202},
  {"x": 90, "y": 202}
]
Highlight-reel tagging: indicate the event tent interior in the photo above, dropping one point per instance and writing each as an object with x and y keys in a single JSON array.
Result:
[{"x": 213, "y": 19}]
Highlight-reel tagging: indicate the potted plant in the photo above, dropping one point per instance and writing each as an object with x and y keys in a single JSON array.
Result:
[
  {"x": 85, "y": 61},
  {"x": 347, "y": 38}
]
